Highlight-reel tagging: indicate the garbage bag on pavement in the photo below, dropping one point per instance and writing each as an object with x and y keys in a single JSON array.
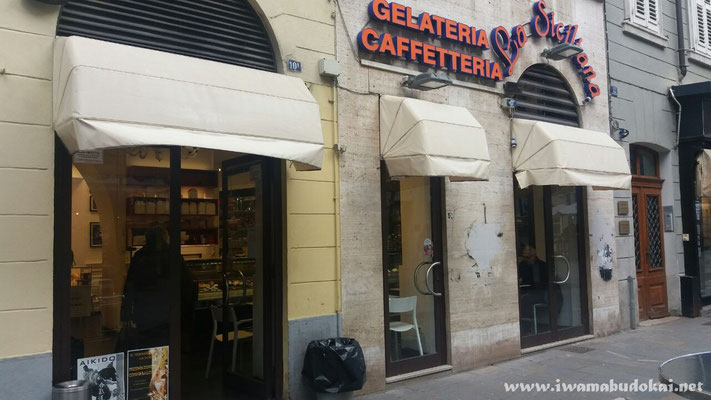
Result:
[{"x": 334, "y": 365}]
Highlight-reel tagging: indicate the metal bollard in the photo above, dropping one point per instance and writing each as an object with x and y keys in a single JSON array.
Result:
[{"x": 71, "y": 390}]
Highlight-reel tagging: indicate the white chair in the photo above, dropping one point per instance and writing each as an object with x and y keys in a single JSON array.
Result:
[
  {"x": 402, "y": 305},
  {"x": 241, "y": 334}
]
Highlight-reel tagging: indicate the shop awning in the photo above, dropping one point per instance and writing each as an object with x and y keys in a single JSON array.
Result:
[
  {"x": 551, "y": 154},
  {"x": 111, "y": 95},
  {"x": 419, "y": 138},
  {"x": 704, "y": 173}
]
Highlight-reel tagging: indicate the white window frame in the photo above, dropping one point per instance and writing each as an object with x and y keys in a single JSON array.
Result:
[
  {"x": 648, "y": 17},
  {"x": 700, "y": 43}
]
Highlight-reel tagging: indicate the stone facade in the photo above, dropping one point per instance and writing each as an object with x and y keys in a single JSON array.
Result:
[{"x": 482, "y": 300}]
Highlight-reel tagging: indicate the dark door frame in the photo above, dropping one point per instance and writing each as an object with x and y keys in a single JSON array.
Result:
[
  {"x": 271, "y": 386},
  {"x": 62, "y": 262},
  {"x": 556, "y": 334},
  {"x": 62, "y": 254},
  {"x": 394, "y": 368}
]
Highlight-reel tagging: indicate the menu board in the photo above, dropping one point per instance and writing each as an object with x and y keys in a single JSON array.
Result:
[
  {"x": 105, "y": 375},
  {"x": 148, "y": 374}
]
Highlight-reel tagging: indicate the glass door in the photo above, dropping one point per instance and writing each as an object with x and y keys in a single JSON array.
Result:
[
  {"x": 551, "y": 264},
  {"x": 243, "y": 316},
  {"x": 413, "y": 274}
]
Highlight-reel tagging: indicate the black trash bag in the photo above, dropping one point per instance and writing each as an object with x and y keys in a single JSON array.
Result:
[{"x": 335, "y": 365}]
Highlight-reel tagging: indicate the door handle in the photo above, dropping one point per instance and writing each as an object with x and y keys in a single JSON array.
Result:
[
  {"x": 417, "y": 272},
  {"x": 244, "y": 283},
  {"x": 427, "y": 279},
  {"x": 567, "y": 264}
]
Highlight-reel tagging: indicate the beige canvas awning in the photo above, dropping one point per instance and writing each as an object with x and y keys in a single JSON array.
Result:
[
  {"x": 419, "y": 138},
  {"x": 111, "y": 95},
  {"x": 551, "y": 154},
  {"x": 704, "y": 174}
]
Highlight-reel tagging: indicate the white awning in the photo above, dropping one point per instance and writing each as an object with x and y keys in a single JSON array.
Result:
[
  {"x": 551, "y": 154},
  {"x": 111, "y": 95},
  {"x": 704, "y": 174},
  {"x": 419, "y": 138}
]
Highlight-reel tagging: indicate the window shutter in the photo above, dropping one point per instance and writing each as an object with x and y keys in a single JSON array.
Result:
[
  {"x": 639, "y": 11},
  {"x": 653, "y": 13},
  {"x": 646, "y": 13},
  {"x": 702, "y": 25}
]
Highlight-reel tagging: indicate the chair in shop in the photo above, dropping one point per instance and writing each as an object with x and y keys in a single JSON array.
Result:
[
  {"x": 404, "y": 305},
  {"x": 234, "y": 336}
]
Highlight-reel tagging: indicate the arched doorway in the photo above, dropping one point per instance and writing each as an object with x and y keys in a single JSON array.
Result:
[
  {"x": 550, "y": 223},
  {"x": 203, "y": 314}
]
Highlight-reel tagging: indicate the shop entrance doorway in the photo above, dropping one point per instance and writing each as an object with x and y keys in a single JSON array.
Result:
[
  {"x": 233, "y": 308},
  {"x": 174, "y": 284},
  {"x": 551, "y": 264},
  {"x": 413, "y": 272}
]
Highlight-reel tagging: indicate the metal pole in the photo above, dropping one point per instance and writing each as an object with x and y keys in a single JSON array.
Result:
[{"x": 633, "y": 302}]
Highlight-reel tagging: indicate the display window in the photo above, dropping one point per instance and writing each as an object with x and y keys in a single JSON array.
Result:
[{"x": 161, "y": 291}]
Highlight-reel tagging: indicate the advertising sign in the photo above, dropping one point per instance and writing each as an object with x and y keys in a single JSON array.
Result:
[
  {"x": 504, "y": 43},
  {"x": 105, "y": 375},
  {"x": 148, "y": 374}
]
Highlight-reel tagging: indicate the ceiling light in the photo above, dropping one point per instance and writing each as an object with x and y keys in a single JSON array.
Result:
[
  {"x": 562, "y": 51},
  {"x": 427, "y": 81}
]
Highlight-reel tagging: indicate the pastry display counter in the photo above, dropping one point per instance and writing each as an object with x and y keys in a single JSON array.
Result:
[{"x": 206, "y": 280}]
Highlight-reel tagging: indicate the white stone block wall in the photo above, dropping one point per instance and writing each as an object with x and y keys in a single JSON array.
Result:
[{"x": 482, "y": 300}]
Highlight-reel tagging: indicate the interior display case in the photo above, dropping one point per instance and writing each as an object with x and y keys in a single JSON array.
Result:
[{"x": 207, "y": 281}]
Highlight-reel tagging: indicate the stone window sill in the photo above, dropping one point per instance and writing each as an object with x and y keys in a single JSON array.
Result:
[
  {"x": 645, "y": 34},
  {"x": 700, "y": 59}
]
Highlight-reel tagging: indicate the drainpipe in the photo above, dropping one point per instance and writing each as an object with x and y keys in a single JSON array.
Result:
[{"x": 680, "y": 38}]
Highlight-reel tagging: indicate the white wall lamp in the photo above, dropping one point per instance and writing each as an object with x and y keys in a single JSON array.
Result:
[
  {"x": 427, "y": 81},
  {"x": 562, "y": 51}
]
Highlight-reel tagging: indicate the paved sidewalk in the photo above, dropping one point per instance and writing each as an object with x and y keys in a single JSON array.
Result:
[{"x": 624, "y": 357}]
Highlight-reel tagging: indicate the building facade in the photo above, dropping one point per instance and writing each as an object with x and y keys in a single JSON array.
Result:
[
  {"x": 78, "y": 280},
  {"x": 654, "y": 47},
  {"x": 443, "y": 249}
]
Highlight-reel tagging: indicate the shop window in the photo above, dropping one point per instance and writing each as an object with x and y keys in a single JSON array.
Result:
[
  {"x": 646, "y": 14},
  {"x": 124, "y": 273},
  {"x": 644, "y": 162},
  {"x": 700, "y": 17}
]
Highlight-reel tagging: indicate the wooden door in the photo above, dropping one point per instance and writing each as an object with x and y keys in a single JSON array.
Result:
[{"x": 649, "y": 251}]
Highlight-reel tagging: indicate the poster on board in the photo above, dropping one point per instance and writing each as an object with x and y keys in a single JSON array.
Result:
[
  {"x": 105, "y": 375},
  {"x": 148, "y": 374}
]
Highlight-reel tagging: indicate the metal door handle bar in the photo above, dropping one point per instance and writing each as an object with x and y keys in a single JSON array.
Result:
[
  {"x": 427, "y": 279},
  {"x": 567, "y": 264},
  {"x": 417, "y": 272},
  {"x": 244, "y": 284}
]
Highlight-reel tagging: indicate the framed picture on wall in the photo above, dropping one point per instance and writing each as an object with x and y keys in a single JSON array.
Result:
[
  {"x": 95, "y": 234},
  {"x": 92, "y": 204}
]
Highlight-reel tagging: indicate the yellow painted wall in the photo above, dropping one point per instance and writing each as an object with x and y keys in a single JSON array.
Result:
[
  {"x": 26, "y": 177},
  {"x": 305, "y": 31}
]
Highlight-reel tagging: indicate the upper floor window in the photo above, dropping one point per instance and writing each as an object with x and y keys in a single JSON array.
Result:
[
  {"x": 701, "y": 18},
  {"x": 646, "y": 14},
  {"x": 643, "y": 162}
]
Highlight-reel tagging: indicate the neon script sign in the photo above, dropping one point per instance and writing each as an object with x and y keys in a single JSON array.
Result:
[{"x": 504, "y": 43}]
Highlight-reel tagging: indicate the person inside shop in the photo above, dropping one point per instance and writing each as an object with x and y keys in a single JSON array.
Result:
[
  {"x": 533, "y": 279},
  {"x": 146, "y": 295}
]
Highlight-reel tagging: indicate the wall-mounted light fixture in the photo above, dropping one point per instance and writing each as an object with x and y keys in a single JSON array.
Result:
[
  {"x": 427, "y": 81},
  {"x": 562, "y": 51},
  {"x": 623, "y": 133}
]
